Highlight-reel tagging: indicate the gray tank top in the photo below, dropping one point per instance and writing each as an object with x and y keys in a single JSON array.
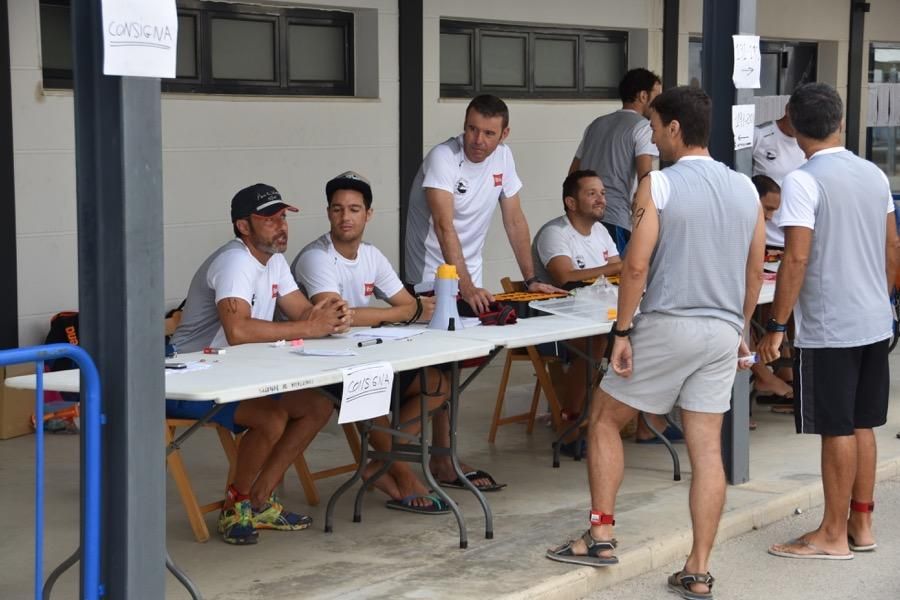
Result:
[
  {"x": 699, "y": 266},
  {"x": 844, "y": 298}
]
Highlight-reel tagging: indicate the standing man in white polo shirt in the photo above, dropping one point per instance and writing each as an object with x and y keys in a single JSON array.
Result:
[
  {"x": 453, "y": 199},
  {"x": 775, "y": 154},
  {"x": 618, "y": 147},
  {"x": 841, "y": 253},
  {"x": 697, "y": 247}
]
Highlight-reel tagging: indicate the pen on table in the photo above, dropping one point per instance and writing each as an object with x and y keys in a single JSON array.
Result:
[{"x": 371, "y": 342}]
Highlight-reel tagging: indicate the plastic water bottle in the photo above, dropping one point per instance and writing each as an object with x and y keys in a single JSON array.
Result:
[{"x": 446, "y": 288}]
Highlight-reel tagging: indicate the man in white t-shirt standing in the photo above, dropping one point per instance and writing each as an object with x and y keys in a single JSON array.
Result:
[
  {"x": 840, "y": 257},
  {"x": 618, "y": 147},
  {"x": 569, "y": 249},
  {"x": 453, "y": 199},
  {"x": 775, "y": 154},
  {"x": 232, "y": 300}
]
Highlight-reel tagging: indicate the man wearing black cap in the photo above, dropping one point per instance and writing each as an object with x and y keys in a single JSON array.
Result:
[{"x": 232, "y": 300}]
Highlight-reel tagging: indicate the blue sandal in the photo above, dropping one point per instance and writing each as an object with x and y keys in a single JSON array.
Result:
[{"x": 437, "y": 506}]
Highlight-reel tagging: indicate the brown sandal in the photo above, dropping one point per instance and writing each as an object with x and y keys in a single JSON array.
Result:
[{"x": 680, "y": 583}]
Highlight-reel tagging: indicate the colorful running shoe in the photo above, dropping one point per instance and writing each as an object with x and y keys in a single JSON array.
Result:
[
  {"x": 274, "y": 516},
  {"x": 236, "y": 524}
]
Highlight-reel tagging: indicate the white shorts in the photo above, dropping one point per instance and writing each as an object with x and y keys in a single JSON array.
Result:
[{"x": 689, "y": 361}]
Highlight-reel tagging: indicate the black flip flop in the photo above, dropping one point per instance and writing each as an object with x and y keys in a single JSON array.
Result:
[{"x": 457, "y": 483}]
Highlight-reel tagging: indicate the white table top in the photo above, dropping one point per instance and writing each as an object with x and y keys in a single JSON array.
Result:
[
  {"x": 536, "y": 330},
  {"x": 253, "y": 370}
]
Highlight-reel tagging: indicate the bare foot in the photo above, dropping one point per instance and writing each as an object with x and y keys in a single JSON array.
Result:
[
  {"x": 410, "y": 485},
  {"x": 386, "y": 483}
]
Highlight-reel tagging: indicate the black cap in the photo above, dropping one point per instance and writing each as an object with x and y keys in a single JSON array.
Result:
[
  {"x": 350, "y": 180},
  {"x": 258, "y": 199}
]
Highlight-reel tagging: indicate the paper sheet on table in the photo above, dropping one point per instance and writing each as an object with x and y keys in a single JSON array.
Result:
[
  {"x": 746, "y": 61},
  {"x": 324, "y": 352},
  {"x": 139, "y": 37},
  {"x": 367, "y": 392},
  {"x": 191, "y": 366},
  {"x": 388, "y": 333},
  {"x": 470, "y": 322},
  {"x": 772, "y": 267}
]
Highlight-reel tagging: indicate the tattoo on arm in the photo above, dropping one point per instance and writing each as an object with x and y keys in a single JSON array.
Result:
[
  {"x": 232, "y": 306},
  {"x": 636, "y": 217}
]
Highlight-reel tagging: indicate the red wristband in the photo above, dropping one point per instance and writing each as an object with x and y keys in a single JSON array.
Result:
[{"x": 599, "y": 518}]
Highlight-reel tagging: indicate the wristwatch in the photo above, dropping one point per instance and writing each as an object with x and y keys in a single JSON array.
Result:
[
  {"x": 775, "y": 327},
  {"x": 531, "y": 280},
  {"x": 621, "y": 332}
]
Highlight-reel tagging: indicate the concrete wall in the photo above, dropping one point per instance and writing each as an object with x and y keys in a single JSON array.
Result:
[
  {"x": 543, "y": 134},
  {"x": 212, "y": 146}
]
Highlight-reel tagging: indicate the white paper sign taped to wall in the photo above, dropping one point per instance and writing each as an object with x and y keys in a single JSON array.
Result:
[
  {"x": 742, "y": 120},
  {"x": 367, "y": 392},
  {"x": 139, "y": 38},
  {"x": 747, "y": 61}
]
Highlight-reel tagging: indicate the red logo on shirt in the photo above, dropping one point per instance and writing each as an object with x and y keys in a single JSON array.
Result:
[
  {"x": 274, "y": 290},
  {"x": 370, "y": 289},
  {"x": 498, "y": 179}
]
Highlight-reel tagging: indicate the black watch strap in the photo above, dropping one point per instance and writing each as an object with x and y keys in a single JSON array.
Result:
[
  {"x": 775, "y": 327},
  {"x": 531, "y": 280},
  {"x": 621, "y": 332}
]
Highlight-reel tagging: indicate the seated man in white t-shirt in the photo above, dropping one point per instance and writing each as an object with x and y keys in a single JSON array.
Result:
[
  {"x": 570, "y": 249},
  {"x": 340, "y": 264},
  {"x": 232, "y": 300}
]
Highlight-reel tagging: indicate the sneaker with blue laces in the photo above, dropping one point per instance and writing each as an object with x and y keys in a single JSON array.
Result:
[
  {"x": 236, "y": 524},
  {"x": 274, "y": 516}
]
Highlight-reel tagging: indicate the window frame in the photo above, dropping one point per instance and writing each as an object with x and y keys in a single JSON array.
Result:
[
  {"x": 282, "y": 18},
  {"x": 476, "y": 30}
]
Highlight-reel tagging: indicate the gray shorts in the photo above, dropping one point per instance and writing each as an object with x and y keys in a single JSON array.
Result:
[{"x": 690, "y": 361}]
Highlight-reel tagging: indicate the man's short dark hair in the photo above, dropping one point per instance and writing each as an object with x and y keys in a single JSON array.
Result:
[
  {"x": 489, "y": 106},
  {"x": 815, "y": 110},
  {"x": 572, "y": 183},
  {"x": 765, "y": 185},
  {"x": 690, "y": 107},
  {"x": 635, "y": 82}
]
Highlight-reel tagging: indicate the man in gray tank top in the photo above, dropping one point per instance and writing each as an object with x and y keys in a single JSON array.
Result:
[
  {"x": 697, "y": 247},
  {"x": 841, "y": 253},
  {"x": 618, "y": 147}
]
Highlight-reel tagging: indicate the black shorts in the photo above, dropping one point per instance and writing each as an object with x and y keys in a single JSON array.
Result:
[
  {"x": 837, "y": 390},
  {"x": 403, "y": 379}
]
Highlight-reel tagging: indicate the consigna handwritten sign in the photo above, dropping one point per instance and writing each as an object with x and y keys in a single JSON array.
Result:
[
  {"x": 367, "y": 392},
  {"x": 139, "y": 38}
]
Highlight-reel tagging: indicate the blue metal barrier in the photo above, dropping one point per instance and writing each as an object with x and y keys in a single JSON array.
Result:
[{"x": 91, "y": 421}]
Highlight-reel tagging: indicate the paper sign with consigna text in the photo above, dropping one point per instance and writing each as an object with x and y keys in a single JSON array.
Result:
[
  {"x": 367, "y": 392},
  {"x": 139, "y": 38}
]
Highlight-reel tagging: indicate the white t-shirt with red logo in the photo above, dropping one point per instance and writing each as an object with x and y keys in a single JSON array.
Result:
[
  {"x": 230, "y": 272},
  {"x": 477, "y": 190},
  {"x": 559, "y": 238},
  {"x": 320, "y": 268}
]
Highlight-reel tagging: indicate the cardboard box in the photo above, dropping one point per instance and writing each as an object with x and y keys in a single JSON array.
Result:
[{"x": 16, "y": 406}]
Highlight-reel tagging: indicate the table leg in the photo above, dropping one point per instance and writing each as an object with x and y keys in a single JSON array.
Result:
[
  {"x": 454, "y": 414},
  {"x": 589, "y": 385},
  {"x": 357, "y": 475},
  {"x": 395, "y": 420}
]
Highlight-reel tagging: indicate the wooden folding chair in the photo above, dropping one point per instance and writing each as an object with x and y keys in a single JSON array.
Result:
[
  {"x": 546, "y": 368},
  {"x": 230, "y": 443}
]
